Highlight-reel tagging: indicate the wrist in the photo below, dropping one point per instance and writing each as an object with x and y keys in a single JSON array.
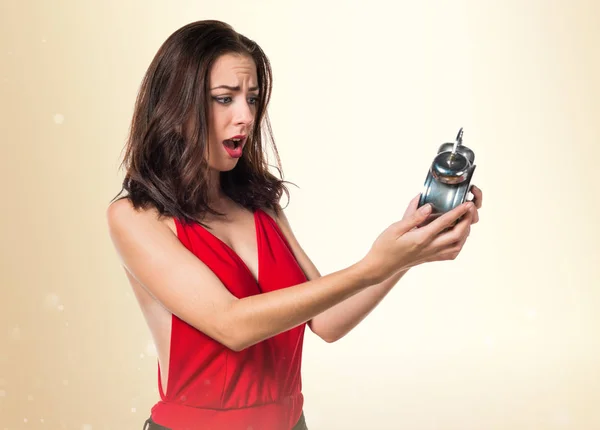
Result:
[{"x": 369, "y": 272}]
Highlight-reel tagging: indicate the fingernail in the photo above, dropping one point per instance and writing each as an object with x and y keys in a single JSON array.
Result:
[{"x": 425, "y": 209}]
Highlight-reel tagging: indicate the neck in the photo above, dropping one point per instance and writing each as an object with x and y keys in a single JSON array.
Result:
[{"x": 215, "y": 194}]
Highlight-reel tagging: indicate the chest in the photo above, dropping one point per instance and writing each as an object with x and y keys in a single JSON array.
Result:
[
  {"x": 238, "y": 234},
  {"x": 249, "y": 254}
]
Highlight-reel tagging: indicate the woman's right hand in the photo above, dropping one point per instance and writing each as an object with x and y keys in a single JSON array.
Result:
[{"x": 404, "y": 244}]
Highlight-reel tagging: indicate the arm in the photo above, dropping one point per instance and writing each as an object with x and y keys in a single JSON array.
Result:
[
  {"x": 152, "y": 254},
  {"x": 338, "y": 321},
  {"x": 335, "y": 322}
]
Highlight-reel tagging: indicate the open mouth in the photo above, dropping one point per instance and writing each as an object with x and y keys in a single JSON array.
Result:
[
  {"x": 232, "y": 143},
  {"x": 235, "y": 145}
]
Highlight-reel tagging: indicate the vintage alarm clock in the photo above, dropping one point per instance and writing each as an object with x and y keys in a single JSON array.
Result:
[{"x": 449, "y": 178}]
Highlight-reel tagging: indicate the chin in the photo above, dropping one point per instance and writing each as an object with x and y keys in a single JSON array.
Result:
[{"x": 225, "y": 165}]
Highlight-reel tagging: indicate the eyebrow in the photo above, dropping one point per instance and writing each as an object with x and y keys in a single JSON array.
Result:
[{"x": 227, "y": 87}]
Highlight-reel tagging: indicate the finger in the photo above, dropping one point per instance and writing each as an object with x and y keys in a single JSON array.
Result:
[
  {"x": 444, "y": 221},
  {"x": 475, "y": 217},
  {"x": 455, "y": 250},
  {"x": 449, "y": 252},
  {"x": 412, "y": 205},
  {"x": 450, "y": 255},
  {"x": 459, "y": 245},
  {"x": 413, "y": 220},
  {"x": 451, "y": 238},
  {"x": 477, "y": 196}
]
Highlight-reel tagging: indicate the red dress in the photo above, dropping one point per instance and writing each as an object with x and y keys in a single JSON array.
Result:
[{"x": 212, "y": 387}]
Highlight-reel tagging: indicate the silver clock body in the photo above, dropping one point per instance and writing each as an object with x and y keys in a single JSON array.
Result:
[{"x": 448, "y": 180}]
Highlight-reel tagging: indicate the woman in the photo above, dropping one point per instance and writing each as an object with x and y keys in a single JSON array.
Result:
[{"x": 224, "y": 286}]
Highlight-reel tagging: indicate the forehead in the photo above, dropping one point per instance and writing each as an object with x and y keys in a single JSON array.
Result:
[{"x": 233, "y": 68}]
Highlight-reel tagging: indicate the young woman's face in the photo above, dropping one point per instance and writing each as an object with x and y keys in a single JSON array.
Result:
[{"x": 232, "y": 107}]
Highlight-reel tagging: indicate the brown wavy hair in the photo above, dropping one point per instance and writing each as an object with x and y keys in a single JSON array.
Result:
[{"x": 169, "y": 171}]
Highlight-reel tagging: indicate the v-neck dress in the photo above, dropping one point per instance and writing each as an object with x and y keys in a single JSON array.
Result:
[{"x": 213, "y": 387}]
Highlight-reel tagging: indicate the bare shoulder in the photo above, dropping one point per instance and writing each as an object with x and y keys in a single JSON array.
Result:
[
  {"x": 122, "y": 217},
  {"x": 273, "y": 214},
  {"x": 159, "y": 263},
  {"x": 282, "y": 221}
]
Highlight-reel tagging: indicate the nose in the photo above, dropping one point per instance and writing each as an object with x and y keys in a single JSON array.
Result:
[{"x": 244, "y": 114}]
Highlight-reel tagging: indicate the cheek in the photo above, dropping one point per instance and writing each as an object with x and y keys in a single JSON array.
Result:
[
  {"x": 220, "y": 118},
  {"x": 214, "y": 143},
  {"x": 215, "y": 127}
]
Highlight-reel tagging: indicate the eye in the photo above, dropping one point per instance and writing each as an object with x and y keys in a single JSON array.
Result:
[
  {"x": 253, "y": 100},
  {"x": 223, "y": 100}
]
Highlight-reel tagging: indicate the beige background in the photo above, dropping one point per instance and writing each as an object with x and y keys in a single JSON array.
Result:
[{"x": 505, "y": 337}]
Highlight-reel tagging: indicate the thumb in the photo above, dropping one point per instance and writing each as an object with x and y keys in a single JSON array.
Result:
[{"x": 414, "y": 219}]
